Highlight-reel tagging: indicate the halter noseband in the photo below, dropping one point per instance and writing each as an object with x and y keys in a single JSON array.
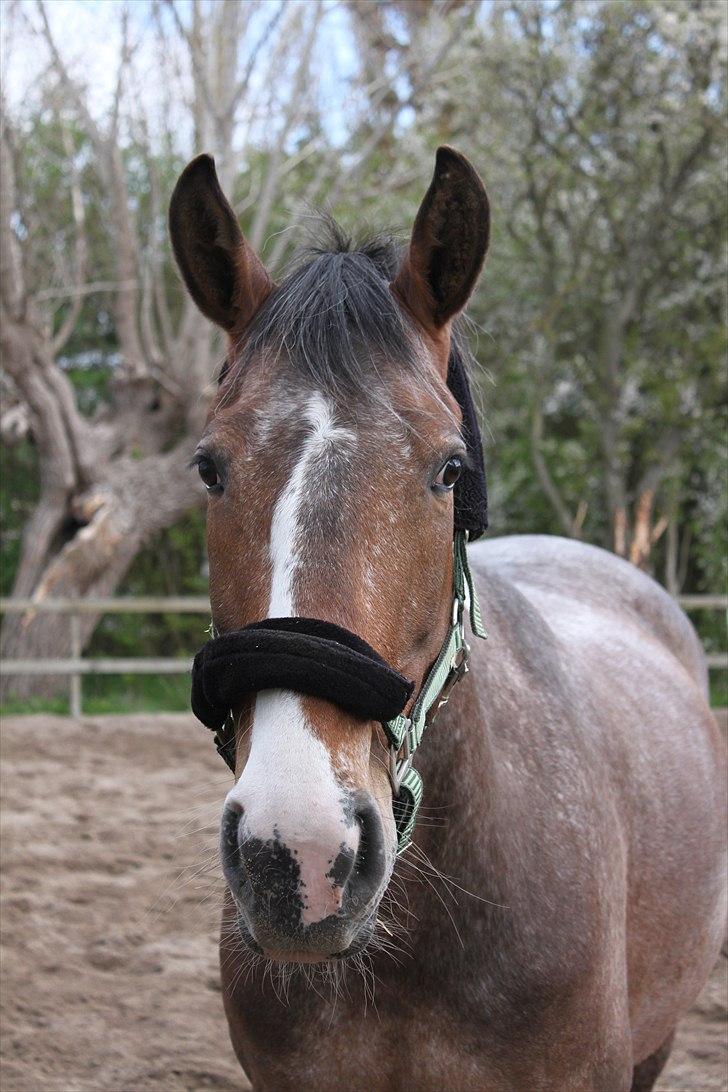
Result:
[{"x": 314, "y": 657}]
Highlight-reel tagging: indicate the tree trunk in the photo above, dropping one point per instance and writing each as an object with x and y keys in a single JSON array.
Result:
[
  {"x": 641, "y": 544},
  {"x": 110, "y": 483},
  {"x": 108, "y": 526}
]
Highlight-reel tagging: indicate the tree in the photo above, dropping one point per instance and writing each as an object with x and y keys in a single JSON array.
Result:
[
  {"x": 90, "y": 248},
  {"x": 601, "y": 130},
  {"x": 110, "y": 482}
]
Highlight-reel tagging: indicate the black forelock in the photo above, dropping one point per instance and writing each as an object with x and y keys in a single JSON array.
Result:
[
  {"x": 334, "y": 320},
  {"x": 333, "y": 316}
]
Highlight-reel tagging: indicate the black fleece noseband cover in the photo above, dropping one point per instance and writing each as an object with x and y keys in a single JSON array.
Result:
[{"x": 301, "y": 654}]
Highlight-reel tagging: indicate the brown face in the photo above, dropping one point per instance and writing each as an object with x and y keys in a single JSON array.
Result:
[
  {"x": 329, "y": 501},
  {"x": 333, "y": 510}
]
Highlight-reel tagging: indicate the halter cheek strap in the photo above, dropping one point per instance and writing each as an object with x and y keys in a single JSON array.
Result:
[
  {"x": 311, "y": 656},
  {"x": 405, "y": 733}
]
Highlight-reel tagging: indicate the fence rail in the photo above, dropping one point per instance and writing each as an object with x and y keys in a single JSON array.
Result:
[
  {"x": 76, "y": 666},
  {"x": 141, "y": 604}
]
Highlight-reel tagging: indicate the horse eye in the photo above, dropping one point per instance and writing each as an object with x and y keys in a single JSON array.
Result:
[
  {"x": 449, "y": 474},
  {"x": 208, "y": 472}
]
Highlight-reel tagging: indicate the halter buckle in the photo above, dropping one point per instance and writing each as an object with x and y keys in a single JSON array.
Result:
[
  {"x": 225, "y": 741},
  {"x": 398, "y": 766},
  {"x": 459, "y": 668}
]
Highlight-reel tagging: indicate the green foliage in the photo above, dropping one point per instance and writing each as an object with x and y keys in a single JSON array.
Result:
[
  {"x": 719, "y": 689},
  {"x": 19, "y": 491},
  {"x": 173, "y": 564}
]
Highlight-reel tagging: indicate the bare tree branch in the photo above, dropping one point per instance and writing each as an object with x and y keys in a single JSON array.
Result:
[
  {"x": 570, "y": 525},
  {"x": 12, "y": 282},
  {"x": 256, "y": 50},
  {"x": 295, "y": 109},
  {"x": 80, "y": 249}
]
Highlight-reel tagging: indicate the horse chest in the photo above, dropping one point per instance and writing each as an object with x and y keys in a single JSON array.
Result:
[
  {"x": 373, "y": 1054},
  {"x": 425, "y": 1049}
]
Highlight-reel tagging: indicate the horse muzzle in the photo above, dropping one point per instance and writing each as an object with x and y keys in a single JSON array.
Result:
[{"x": 312, "y": 896}]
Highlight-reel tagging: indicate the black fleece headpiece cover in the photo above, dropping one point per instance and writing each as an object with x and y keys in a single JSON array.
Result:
[
  {"x": 471, "y": 493},
  {"x": 301, "y": 654}
]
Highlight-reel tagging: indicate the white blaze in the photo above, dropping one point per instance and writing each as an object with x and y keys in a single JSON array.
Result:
[
  {"x": 288, "y": 788},
  {"x": 285, "y": 525}
]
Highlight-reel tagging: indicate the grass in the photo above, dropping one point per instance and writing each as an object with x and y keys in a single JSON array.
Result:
[
  {"x": 114, "y": 694},
  {"x": 718, "y": 689}
]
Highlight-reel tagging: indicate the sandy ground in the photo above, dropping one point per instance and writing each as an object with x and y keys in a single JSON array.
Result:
[{"x": 110, "y": 903}]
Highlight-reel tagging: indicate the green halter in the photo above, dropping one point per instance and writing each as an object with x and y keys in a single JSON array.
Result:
[{"x": 405, "y": 733}]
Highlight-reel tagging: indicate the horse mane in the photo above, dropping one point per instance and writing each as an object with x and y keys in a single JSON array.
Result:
[{"x": 333, "y": 316}]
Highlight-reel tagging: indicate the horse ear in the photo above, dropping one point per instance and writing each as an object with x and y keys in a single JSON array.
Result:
[
  {"x": 223, "y": 274},
  {"x": 448, "y": 245}
]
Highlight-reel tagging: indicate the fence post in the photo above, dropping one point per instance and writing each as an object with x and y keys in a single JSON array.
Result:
[{"x": 75, "y": 655}]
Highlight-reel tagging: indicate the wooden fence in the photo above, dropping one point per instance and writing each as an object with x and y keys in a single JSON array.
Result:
[{"x": 76, "y": 666}]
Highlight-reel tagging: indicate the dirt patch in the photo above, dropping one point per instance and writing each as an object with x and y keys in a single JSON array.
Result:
[
  {"x": 110, "y": 908},
  {"x": 111, "y": 897}
]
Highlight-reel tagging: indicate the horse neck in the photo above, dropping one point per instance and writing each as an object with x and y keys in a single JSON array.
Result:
[{"x": 460, "y": 834}]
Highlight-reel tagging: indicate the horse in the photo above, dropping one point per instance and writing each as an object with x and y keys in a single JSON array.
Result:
[{"x": 562, "y": 898}]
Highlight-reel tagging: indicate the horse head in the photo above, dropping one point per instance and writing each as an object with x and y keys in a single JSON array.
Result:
[{"x": 329, "y": 457}]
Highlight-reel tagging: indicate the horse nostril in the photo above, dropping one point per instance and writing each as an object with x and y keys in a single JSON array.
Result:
[
  {"x": 364, "y": 820},
  {"x": 370, "y": 859},
  {"x": 284, "y": 885},
  {"x": 230, "y": 844}
]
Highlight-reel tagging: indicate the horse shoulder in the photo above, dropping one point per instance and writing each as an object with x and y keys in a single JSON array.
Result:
[
  {"x": 608, "y": 717},
  {"x": 559, "y": 575}
]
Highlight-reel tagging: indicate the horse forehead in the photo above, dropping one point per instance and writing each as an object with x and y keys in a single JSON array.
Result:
[{"x": 321, "y": 425}]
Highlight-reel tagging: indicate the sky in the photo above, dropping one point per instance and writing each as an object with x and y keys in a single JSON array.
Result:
[{"x": 88, "y": 35}]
